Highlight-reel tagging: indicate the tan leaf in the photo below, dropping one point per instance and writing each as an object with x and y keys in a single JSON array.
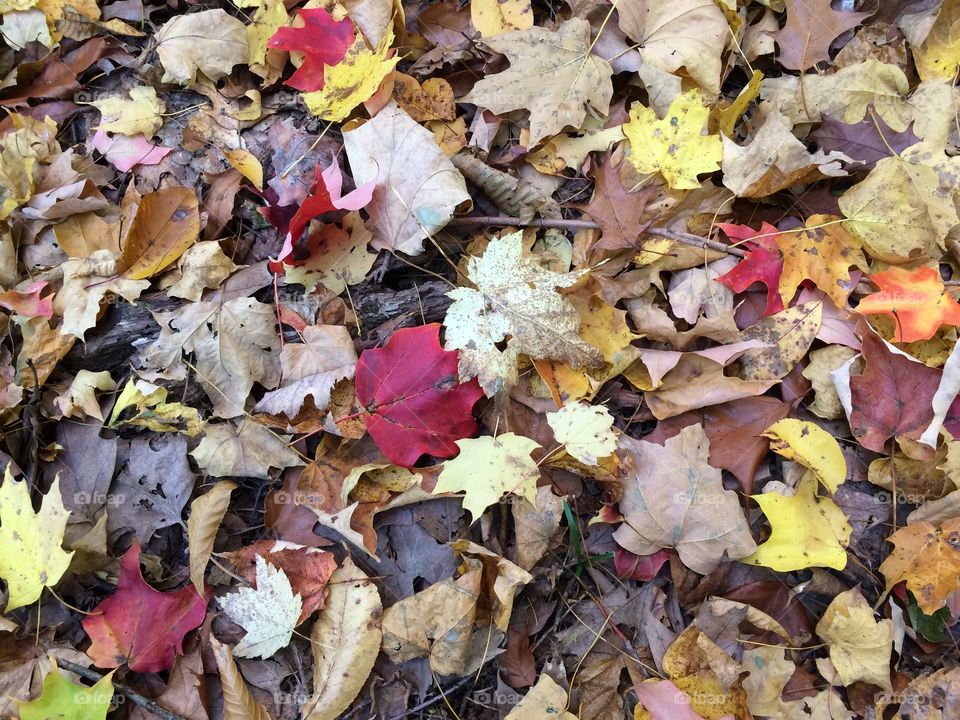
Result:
[
  {"x": 346, "y": 640},
  {"x": 210, "y": 42},
  {"x": 248, "y": 451},
  {"x": 166, "y": 224},
  {"x": 206, "y": 514},
  {"x": 238, "y": 703}
]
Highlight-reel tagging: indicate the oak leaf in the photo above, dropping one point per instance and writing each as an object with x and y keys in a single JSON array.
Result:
[
  {"x": 413, "y": 402},
  {"x": 675, "y": 146},
  {"x": 677, "y": 500},
  {"x": 551, "y": 74},
  {"x": 141, "y": 626},
  {"x": 916, "y": 299},
  {"x": 515, "y": 297}
]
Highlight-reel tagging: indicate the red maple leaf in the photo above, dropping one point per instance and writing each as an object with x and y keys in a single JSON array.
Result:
[
  {"x": 414, "y": 404},
  {"x": 892, "y": 398},
  {"x": 762, "y": 262},
  {"x": 322, "y": 40},
  {"x": 916, "y": 299},
  {"x": 141, "y": 626},
  {"x": 324, "y": 197}
]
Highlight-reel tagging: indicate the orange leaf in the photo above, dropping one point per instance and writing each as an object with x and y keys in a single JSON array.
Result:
[{"x": 915, "y": 298}]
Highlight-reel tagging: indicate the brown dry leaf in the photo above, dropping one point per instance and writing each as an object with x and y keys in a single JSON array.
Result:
[
  {"x": 433, "y": 100},
  {"x": 928, "y": 559},
  {"x": 677, "y": 501},
  {"x": 166, "y": 224},
  {"x": 238, "y": 703},
  {"x": 812, "y": 25},
  {"x": 788, "y": 335},
  {"x": 206, "y": 514}
]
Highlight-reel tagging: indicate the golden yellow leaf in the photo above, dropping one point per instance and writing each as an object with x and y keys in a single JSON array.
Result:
[
  {"x": 166, "y": 224},
  {"x": 142, "y": 113},
  {"x": 860, "y": 646},
  {"x": 811, "y": 446},
  {"x": 247, "y": 165},
  {"x": 927, "y": 557},
  {"x": 206, "y": 514},
  {"x": 674, "y": 146},
  {"x": 938, "y": 56},
  {"x": 493, "y": 17}
]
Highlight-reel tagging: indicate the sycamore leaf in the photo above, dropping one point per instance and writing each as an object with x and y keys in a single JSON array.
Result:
[
  {"x": 488, "y": 467},
  {"x": 675, "y": 34},
  {"x": 238, "y": 703},
  {"x": 901, "y": 212},
  {"x": 812, "y": 25},
  {"x": 811, "y": 446},
  {"x": 927, "y": 558},
  {"x": 346, "y": 641},
  {"x": 762, "y": 262},
  {"x": 822, "y": 252},
  {"x": 860, "y": 646},
  {"x": 269, "y": 612},
  {"x": 551, "y": 74},
  {"x": 209, "y": 42},
  {"x": 916, "y": 299},
  {"x": 586, "y": 431},
  {"x": 353, "y": 80},
  {"x": 310, "y": 369},
  {"x": 64, "y": 700},
  {"x": 515, "y": 297},
  {"x": 805, "y": 530},
  {"x": 938, "y": 56},
  {"x": 248, "y": 451},
  {"x": 141, "y": 114},
  {"x": 322, "y": 41},
  {"x": 546, "y": 699},
  {"x": 206, "y": 514},
  {"x": 234, "y": 345},
  {"x": 30, "y": 554},
  {"x": 416, "y": 187},
  {"x": 674, "y": 146},
  {"x": 677, "y": 500}
]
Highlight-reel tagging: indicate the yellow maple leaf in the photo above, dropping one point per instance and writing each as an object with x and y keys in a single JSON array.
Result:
[
  {"x": 30, "y": 554},
  {"x": 927, "y": 559},
  {"x": 674, "y": 146},
  {"x": 822, "y": 252},
  {"x": 806, "y": 530},
  {"x": 494, "y": 17},
  {"x": 938, "y": 56},
  {"x": 142, "y": 113},
  {"x": 811, "y": 446},
  {"x": 860, "y": 646},
  {"x": 488, "y": 467},
  {"x": 270, "y": 15},
  {"x": 353, "y": 80}
]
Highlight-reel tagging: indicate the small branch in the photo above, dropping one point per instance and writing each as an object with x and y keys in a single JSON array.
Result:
[
  {"x": 435, "y": 699},
  {"x": 128, "y": 692},
  {"x": 562, "y": 224}
]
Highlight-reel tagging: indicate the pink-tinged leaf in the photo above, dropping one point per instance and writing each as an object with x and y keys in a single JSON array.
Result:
[
  {"x": 126, "y": 152},
  {"x": 29, "y": 304},
  {"x": 638, "y": 567},
  {"x": 762, "y": 263},
  {"x": 867, "y": 141},
  {"x": 141, "y": 626},
  {"x": 665, "y": 701},
  {"x": 324, "y": 197},
  {"x": 414, "y": 404},
  {"x": 322, "y": 40}
]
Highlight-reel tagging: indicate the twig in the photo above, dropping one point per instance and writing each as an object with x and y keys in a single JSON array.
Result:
[
  {"x": 435, "y": 699},
  {"x": 128, "y": 692},
  {"x": 563, "y": 224}
]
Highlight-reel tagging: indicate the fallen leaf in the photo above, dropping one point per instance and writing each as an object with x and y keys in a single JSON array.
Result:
[
  {"x": 202, "y": 267},
  {"x": 210, "y": 42},
  {"x": 823, "y": 362},
  {"x": 516, "y": 297},
  {"x": 433, "y": 100},
  {"x": 545, "y": 699},
  {"x": 238, "y": 703},
  {"x": 812, "y": 25},
  {"x": 677, "y": 500},
  {"x": 492, "y": 17},
  {"x": 938, "y": 56},
  {"x": 412, "y": 400},
  {"x": 762, "y": 263},
  {"x": 674, "y": 146},
  {"x": 142, "y": 114},
  {"x": 322, "y": 41},
  {"x": 206, "y": 514},
  {"x": 486, "y": 468},
  {"x": 79, "y": 399},
  {"x": 417, "y": 187},
  {"x": 65, "y": 700},
  {"x": 813, "y": 447},
  {"x": 125, "y": 153},
  {"x": 249, "y": 450},
  {"x": 616, "y": 208},
  {"x": 927, "y": 558},
  {"x": 32, "y": 558},
  {"x": 787, "y": 337},
  {"x": 916, "y": 299},
  {"x": 268, "y": 612},
  {"x": 166, "y": 224},
  {"x": 346, "y": 641},
  {"x": 867, "y": 141},
  {"x": 140, "y": 626},
  {"x": 585, "y": 431},
  {"x": 577, "y": 79},
  {"x": 860, "y": 646}
]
